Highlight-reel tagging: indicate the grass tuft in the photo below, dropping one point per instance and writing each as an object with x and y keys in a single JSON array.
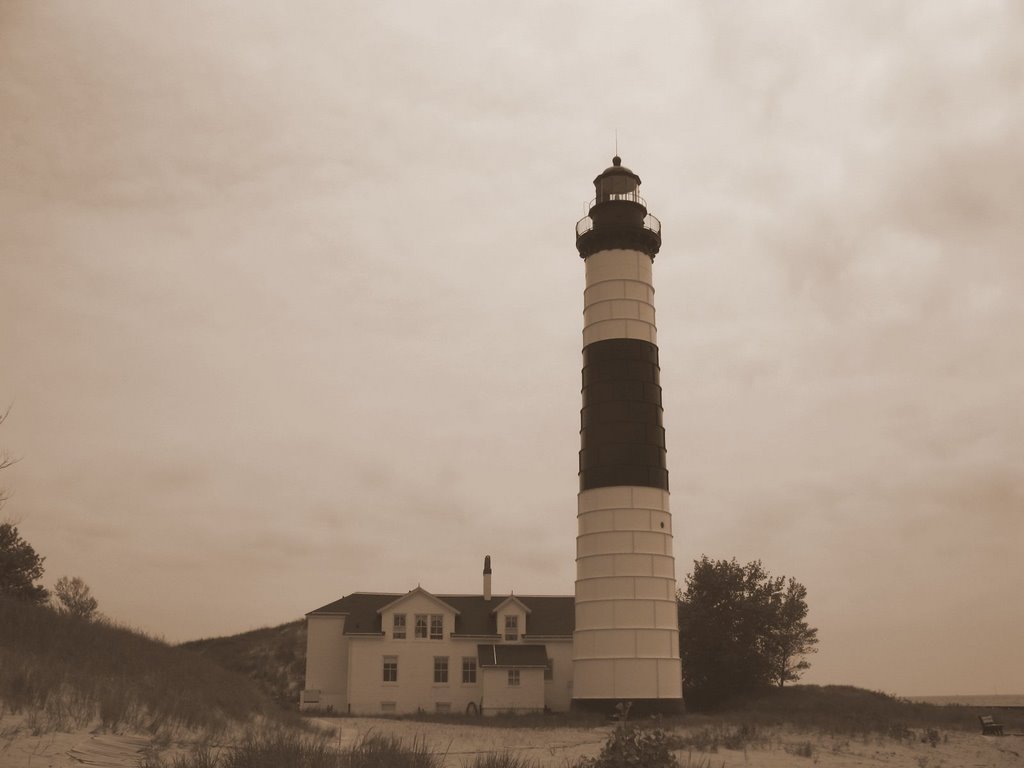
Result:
[
  {"x": 290, "y": 749},
  {"x": 503, "y": 760}
]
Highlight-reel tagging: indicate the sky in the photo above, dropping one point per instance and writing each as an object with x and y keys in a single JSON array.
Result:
[{"x": 290, "y": 305}]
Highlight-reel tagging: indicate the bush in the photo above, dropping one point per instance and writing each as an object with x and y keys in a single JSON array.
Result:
[{"x": 630, "y": 746}]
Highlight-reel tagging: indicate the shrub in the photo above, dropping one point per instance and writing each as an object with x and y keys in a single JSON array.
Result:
[
  {"x": 631, "y": 746},
  {"x": 803, "y": 749}
]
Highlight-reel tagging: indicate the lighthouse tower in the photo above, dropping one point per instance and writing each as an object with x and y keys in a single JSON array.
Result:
[{"x": 626, "y": 641}]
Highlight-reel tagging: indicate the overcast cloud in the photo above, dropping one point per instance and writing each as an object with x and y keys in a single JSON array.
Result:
[{"x": 290, "y": 307}]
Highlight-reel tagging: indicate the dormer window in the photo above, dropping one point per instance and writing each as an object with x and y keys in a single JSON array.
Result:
[
  {"x": 511, "y": 627},
  {"x": 430, "y": 625},
  {"x": 419, "y": 626}
]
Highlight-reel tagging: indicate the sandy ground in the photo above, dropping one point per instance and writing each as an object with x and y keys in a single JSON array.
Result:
[
  {"x": 551, "y": 748},
  {"x": 555, "y": 747},
  {"x": 20, "y": 749}
]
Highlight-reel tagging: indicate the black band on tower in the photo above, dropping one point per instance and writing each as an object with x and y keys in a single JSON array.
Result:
[{"x": 621, "y": 433}]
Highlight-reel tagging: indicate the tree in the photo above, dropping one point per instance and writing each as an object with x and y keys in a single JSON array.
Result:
[
  {"x": 741, "y": 630},
  {"x": 792, "y": 638},
  {"x": 74, "y": 597},
  {"x": 20, "y": 567}
]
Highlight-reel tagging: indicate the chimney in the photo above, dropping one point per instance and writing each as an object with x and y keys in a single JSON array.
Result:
[{"x": 487, "y": 578}]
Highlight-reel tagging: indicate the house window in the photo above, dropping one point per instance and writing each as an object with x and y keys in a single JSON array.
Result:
[
  {"x": 513, "y": 677},
  {"x": 390, "y": 669},
  {"x": 388, "y": 706},
  {"x": 443, "y": 707},
  {"x": 421, "y": 625},
  {"x": 469, "y": 669},
  {"x": 511, "y": 627},
  {"x": 436, "y": 626},
  {"x": 440, "y": 669},
  {"x": 398, "y": 630},
  {"x": 549, "y": 670}
]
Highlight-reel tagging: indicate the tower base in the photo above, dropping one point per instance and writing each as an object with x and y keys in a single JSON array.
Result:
[{"x": 637, "y": 707}]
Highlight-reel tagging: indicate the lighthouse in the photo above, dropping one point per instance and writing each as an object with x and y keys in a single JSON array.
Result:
[{"x": 626, "y": 637}]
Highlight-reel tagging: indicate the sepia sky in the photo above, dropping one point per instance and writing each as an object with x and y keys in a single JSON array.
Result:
[{"x": 290, "y": 305}]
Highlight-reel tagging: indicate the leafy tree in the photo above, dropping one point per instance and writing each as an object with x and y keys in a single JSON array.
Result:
[
  {"x": 792, "y": 637},
  {"x": 741, "y": 630},
  {"x": 20, "y": 567},
  {"x": 74, "y": 597}
]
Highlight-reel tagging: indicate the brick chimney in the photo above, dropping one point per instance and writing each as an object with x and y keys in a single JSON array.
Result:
[{"x": 487, "y": 578}]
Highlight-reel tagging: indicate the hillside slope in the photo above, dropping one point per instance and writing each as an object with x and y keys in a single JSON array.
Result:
[
  {"x": 273, "y": 657},
  {"x": 65, "y": 673}
]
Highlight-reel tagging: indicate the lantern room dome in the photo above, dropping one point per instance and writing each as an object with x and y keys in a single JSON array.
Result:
[
  {"x": 616, "y": 182},
  {"x": 617, "y": 167}
]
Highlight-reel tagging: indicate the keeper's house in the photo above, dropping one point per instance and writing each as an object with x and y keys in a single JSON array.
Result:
[{"x": 371, "y": 653}]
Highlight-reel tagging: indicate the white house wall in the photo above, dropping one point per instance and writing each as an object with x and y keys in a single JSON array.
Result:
[
  {"x": 558, "y": 690},
  {"x": 415, "y": 689},
  {"x": 499, "y": 696},
  {"x": 326, "y": 663}
]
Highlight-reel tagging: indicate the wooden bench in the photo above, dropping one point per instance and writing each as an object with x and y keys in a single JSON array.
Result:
[{"x": 989, "y": 726}]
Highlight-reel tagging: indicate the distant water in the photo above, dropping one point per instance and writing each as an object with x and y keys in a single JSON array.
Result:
[{"x": 982, "y": 700}]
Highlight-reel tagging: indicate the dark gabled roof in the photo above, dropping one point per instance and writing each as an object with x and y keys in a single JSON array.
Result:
[
  {"x": 549, "y": 615},
  {"x": 492, "y": 655},
  {"x": 419, "y": 591}
]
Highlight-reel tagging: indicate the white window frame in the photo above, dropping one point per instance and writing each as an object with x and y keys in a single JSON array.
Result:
[
  {"x": 511, "y": 622},
  {"x": 437, "y": 621},
  {"x": 441, "y": 670},
  {"x": 398, "y": 627},
  {"x": 513, "y": 678},
  {"x": 390, "y": 664},
  {"x": 469, "y": 670}
]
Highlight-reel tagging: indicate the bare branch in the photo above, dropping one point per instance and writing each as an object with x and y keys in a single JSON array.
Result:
[{"x": 5, "y": 459}]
